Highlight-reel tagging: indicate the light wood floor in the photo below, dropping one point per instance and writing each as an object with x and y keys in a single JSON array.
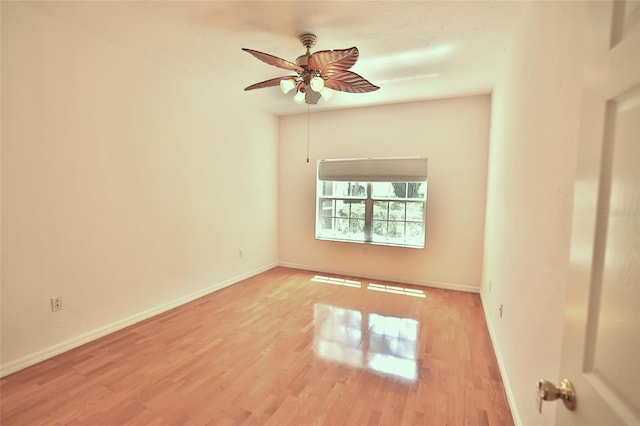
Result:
[{"x": 281, "y": 348}]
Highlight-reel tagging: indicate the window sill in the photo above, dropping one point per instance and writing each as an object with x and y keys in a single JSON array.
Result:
[{"x": 374, "y": 243}]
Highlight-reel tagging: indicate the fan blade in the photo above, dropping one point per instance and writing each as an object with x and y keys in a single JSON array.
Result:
[
  {"x": 274, "y": 60},
  {"x": 269, "y": 83},
  {"x": 330, "y": 62},
  {"x": 347, "y": 81}
]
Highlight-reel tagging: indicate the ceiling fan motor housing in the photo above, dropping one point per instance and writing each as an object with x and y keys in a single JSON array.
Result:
[
  {"x": 302, "y": 61},
  {"x": 308, "y": 41}
]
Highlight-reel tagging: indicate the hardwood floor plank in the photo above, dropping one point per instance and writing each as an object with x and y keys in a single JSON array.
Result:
[{"x": 283, "y": 347}]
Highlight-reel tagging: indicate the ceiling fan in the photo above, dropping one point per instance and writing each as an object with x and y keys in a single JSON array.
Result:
[{"x": 317, "y": 74}]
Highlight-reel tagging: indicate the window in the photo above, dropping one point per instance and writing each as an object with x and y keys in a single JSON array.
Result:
[{"x": 377, "y": 201}]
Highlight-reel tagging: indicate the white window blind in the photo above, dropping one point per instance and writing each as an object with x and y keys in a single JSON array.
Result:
[{"x": 412, "y": 169}]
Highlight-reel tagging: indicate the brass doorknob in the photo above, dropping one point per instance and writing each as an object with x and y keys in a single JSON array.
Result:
[{"x": 550, "y": 392}]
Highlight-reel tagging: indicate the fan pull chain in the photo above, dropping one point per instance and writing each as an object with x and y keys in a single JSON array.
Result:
[{"x": 308, "y": 106}]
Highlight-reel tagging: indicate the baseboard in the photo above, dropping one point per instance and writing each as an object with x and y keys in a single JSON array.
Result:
[
  {"x": 80, "y": 340},
  {"x": 445, "y": 286},
  {"x": 503, "y": 371}
]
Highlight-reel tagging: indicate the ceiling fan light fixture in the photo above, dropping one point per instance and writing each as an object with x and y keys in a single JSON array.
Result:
[
  {"x": 326, "y": 93},
  {"x": 299, "y": 98},
  {"x": 317, "y": 83},
  {"x": 287, "y": 85}
]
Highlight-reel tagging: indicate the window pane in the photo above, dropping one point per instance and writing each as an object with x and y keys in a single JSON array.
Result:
[
  {"x": 357, "y": 228},
  {"x": 342, "y": 228},
  {"x": 379, "y": 230},
  {"x": 380, "y": 209},
  {"x": 342, "y": 208},
  {"x": 343, "y": 189},
  {"x": 326, "y": 224},
  {"x": 400, "y": 189},
  {"x": 357, "y": 209},
  {"x": 396, "y": 230},
  {"x": 416, "y": 190},
  {"x": 382, "y": 190},
  {"x": 357, "y": 189},
  {"x": 325, "y": 188},
  {"x": 339, "y": 189},
  {"x": 392, "y": 189},
  {"x": 326, "y": 208},
  {"x": 396, "y": 210},
  {"x": 414, "y": 232},
  {"x": 415, "y": 211}
]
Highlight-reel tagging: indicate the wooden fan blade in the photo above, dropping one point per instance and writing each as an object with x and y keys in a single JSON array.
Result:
[
  {"x": 274, "y": 60},
  {"x": 347, "y": 81},
  {"x": 269, "y": 83},
  {"x": 330, "y": 62}
]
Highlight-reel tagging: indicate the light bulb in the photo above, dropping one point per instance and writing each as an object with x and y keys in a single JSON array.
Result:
[
  {"x": 287, "y": 84},
  {"x": 317, "y": 83},
  {"x": 326, "y": 93},
  {"x": 299, "y": 98}
]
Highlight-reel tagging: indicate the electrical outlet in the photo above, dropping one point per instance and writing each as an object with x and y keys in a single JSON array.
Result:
[{"x": 56, "y": 304}]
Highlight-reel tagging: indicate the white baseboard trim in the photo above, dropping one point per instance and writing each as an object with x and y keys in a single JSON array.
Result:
[
  {"x": 503, "y": 371},
  {"x": 445, "y": 286},
  {"x": 80, "y": 340}
]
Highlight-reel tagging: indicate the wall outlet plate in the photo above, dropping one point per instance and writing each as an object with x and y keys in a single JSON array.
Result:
[{"x": 56, "y": 304}]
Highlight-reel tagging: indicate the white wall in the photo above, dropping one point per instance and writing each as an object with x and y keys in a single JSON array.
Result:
[
  {"x": 453, "y": 133},
  {"x": 127, "y": 186},
  {"x": 532, "y": 164}
]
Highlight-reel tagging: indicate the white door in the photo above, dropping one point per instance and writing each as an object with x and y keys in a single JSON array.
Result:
[{"x": 601, "y": 348}]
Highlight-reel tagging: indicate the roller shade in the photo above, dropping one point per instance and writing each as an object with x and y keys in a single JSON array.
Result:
[{"x": 412, "y": 169}]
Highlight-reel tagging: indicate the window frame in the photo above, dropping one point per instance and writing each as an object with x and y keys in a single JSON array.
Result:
[{"x": 369, "y": 218}]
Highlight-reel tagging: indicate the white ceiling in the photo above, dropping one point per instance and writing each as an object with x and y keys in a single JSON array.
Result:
[{"x": 413, "y": 50}]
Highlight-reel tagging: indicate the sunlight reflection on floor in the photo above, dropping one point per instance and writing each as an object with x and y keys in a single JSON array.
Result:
[
  {"x": 371, "y": 286},
  {"x": 383, "y": 344},
  {"x": 396, "y": 290},
  {"x": 336, "y": 281}
]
